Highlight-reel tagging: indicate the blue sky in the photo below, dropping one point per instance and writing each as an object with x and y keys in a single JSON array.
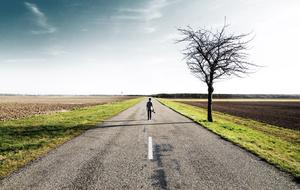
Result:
[{"x": 110, "y": 47}]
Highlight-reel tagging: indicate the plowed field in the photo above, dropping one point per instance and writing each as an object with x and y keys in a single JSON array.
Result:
[
  {"x": 283, "y": 114},
  {"x": 13, "y": 107}
]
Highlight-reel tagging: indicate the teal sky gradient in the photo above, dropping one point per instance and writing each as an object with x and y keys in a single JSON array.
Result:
[{"x": 127, "y": 46}]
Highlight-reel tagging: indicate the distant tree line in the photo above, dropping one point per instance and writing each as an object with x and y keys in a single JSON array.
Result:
[{"x": 226, "y": 96}]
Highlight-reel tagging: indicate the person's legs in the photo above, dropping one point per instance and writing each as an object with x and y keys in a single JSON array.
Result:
[{"x": 149, "y": 114}]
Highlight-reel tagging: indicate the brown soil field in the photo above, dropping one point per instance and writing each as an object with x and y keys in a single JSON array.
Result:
[
  {"x": 282, "y": 114},
  {"x": 14, "y": 107}
]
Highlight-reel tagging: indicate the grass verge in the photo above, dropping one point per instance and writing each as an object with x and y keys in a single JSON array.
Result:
[
  {"x": 23, "y": 140},
  {"x": 276, "y": 145}
]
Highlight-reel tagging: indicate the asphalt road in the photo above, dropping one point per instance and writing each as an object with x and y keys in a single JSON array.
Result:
[{"x": 115, "y": 155}]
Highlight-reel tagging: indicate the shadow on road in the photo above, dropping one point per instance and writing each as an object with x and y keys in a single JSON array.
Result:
[
  {"x": 128, "y": 120},
  {"x": 159, "y": 175},
  {"x": 143, "y": 124}
]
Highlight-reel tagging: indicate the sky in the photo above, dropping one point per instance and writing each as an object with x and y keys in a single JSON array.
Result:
[{"x": 128, "y": 46}]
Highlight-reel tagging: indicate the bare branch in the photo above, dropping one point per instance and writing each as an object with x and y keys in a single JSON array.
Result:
[{"x": 215, "y": 55}]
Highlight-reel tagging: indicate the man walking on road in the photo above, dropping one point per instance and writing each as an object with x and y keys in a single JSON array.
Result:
[{"x": 149, "y": 108}]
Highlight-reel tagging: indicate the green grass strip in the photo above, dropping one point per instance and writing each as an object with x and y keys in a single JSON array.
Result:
[
  {"x": 23, "y": 140},
  {"x": 278, "y": 146}
]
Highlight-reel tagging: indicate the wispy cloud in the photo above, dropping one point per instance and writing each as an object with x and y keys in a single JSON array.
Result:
[
  {"x": 57, "y": 50},
  {"x": 144, "y": 15},
  {"x": 40, "y": 19},
  {"x": 151, "y": 12},
  {"x": 170, "y": 38},
  {"x": 84, "y": 30},
  {"x": 24, "y": 60}
]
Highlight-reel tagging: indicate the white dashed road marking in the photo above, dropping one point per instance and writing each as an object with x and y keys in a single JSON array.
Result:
[{"x": 150, "y": 148}]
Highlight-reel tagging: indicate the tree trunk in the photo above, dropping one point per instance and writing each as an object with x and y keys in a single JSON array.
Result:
[{"x": 209, "y": 103}]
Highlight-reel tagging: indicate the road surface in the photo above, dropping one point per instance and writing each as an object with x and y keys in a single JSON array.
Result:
[{"x": 118, "y": 155}]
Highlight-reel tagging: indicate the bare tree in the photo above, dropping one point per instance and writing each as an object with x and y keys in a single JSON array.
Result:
[{"x": 213, "y": 55}]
